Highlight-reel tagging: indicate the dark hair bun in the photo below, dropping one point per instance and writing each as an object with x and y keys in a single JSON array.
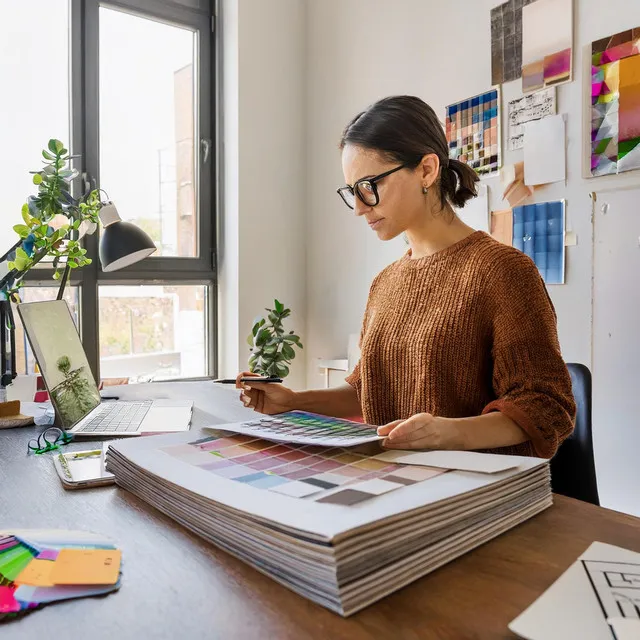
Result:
[{"x": 405, "y": 129}]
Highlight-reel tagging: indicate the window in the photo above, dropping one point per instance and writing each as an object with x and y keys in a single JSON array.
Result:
[
  {"x": 36, "y": 104},
  {"x": 152, "y": 332},
  {"x": 131, "y": 93},
  {"x": 152, "y": 64}
]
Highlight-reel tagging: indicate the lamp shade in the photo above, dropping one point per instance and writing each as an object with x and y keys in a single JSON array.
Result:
[{"x": 121, "y": 243}]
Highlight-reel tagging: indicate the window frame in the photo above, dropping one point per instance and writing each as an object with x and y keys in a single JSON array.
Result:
[{"x": 85, "y": 137}]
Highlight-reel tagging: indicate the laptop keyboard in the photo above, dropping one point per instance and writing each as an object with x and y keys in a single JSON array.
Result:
[{"x": 116, "y": 417}]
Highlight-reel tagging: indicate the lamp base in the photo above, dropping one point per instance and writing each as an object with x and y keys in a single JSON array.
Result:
[{"x": 10, "y": 415}]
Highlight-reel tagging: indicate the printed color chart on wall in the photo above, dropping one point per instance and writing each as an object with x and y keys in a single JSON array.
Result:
[
  {"x": 538, "y": 231},
  {"x": 323, "y": 474},
  {"x": 473, "y": 132},
  {"x": 615, "y": 103}
]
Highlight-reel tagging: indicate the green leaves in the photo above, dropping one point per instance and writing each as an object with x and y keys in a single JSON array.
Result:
[
  {"x": 272, "y": 349},
  {"x": 22, "y": 230},
  {"x": 41, "y": 212}
]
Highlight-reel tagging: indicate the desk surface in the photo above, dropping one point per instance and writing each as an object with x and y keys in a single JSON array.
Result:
[{"x": 175, "y": 585}]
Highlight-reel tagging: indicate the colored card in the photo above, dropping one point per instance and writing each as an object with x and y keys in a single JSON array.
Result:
[
  {"x": 14, "y": 560},
  {"x": 86, "y": 566},
  {"x": 8, "y": 603},
  {"x": 37, "y": 574}
]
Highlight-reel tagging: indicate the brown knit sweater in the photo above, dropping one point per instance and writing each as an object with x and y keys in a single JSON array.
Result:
[{"x": 468, "y": 330}]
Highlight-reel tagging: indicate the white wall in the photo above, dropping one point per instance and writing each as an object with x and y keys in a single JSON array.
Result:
[
  {"x": 262, "y": 226},
  {"x": 362, "y": 50}
]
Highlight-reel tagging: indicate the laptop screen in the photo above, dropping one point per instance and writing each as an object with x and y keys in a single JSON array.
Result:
[{"x": 59, "y": 353}]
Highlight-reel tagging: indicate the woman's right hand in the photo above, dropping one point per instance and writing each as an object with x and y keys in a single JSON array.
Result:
[{"x": 265, "y": 397}]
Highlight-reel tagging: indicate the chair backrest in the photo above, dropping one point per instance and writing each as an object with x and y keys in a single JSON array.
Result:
[{"x": 573, "y": 471}]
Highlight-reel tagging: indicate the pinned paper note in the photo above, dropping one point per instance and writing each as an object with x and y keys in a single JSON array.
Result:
[
  {"x": 37, "y": 574},
  {"x": 86, "y": 566},
  {"x": 456, "y": 460},
  {"x": 514, "y": 188},
  {"x": 545, "y": 157}
]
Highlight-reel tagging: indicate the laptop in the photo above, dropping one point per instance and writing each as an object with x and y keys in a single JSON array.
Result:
[{"x": 56, "y": 345}]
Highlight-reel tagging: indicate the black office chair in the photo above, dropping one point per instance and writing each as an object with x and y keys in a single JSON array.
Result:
[{"x": 573, "y": 471}]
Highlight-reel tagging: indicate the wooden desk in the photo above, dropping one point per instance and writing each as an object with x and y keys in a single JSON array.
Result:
[{"x": 177, "y": 586}]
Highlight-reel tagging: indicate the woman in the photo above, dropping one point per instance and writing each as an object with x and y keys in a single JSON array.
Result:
[{"x": 459, "y": 348}]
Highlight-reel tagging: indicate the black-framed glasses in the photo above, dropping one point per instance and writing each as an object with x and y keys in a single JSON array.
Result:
[
  {"x": 365, "y": 189},
  {"x": 49, "y": 440}
]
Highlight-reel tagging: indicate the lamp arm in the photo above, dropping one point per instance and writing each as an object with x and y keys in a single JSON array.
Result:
[{"x": 15, "y": 246}]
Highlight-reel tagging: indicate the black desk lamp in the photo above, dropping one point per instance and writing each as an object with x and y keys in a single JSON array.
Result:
[{"x": 121, "y": 244}]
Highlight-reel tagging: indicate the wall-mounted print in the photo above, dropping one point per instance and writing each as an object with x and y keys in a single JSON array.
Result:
[
  {"x": 615, "y": 103},
  {"x": 506, "y": 41},
  {"x": 547, "y": 42},
  {"x": 473, "y": 132}
]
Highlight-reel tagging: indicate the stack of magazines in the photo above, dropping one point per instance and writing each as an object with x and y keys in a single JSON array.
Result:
[{"x": 339, "y": 526}]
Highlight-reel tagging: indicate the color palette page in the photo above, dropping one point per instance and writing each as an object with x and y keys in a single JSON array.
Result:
[
  {"x": 308, "y": 428},
  {"x": 323, "y": 474}
]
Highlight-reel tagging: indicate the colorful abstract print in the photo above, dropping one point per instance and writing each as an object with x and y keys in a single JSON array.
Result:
[{"x": 615, "y": 103}]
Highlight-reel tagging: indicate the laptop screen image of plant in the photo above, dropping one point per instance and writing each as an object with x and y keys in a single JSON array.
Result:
[{"x": 76, "y": 395}]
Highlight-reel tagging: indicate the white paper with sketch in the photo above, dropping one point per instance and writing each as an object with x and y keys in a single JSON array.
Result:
[
  {"x": 545, "y": 151},
  {"x": 604, "y": 583},
  {"x": 526, "y": 109},
  {"x": 458, "y": 460},
  {"x": 475, "y": 212}
]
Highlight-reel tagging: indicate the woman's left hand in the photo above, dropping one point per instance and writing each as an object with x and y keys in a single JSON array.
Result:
[{"x": 422, "y": 431}]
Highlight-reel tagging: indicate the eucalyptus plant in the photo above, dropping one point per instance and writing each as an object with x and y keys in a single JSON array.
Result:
[
  {"x": 53, "y": 222},
  {"x": 272, "y": 350}
]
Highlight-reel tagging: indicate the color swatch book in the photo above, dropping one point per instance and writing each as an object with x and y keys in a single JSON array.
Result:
[
  {"x": 339, "y": 527},
  {"x": 38, "y": 567},
  {"x": 308, "y": 428}
]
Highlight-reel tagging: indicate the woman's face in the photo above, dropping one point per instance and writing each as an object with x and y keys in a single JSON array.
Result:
[{"x": 402, "y": 203}]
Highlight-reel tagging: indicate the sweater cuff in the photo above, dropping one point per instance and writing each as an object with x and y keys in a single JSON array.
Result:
[
  {"x": 355, "y": 380},
  {"x": 543, "y": 448}
]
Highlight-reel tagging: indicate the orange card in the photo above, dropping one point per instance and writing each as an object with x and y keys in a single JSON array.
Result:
[
  {"x": 36, "y": 574},
  {"x": 86, "y": 566}
]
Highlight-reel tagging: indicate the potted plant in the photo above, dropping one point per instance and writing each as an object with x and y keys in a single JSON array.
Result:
[{"x": 272, "y": 350}]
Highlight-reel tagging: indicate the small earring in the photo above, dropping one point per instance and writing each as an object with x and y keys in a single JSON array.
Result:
[{"x": 425, "y": 189}]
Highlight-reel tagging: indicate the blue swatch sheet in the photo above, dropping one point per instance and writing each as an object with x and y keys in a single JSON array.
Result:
[{"x": 538, "y": 231}]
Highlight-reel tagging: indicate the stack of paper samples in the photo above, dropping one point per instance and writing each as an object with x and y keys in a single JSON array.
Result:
[{"x": 341, "y": 528}]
